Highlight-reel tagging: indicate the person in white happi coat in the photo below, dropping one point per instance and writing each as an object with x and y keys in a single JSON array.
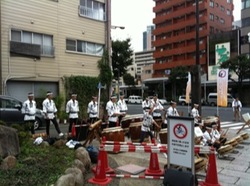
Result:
[
  {"x": 122, "y": 107},
  {"x": 50, "y": 110},
  {"x": 157, "y": 108},
  {"x": 146, "y": 125},
  {"x": 113, "y": 111},
  {"x": 209, "y": 139},
  {"x": 72, "y": 109},
  {"x": 29, "y": 111},
  {"x": 146, "y": 104},
  {"x": 93, "y": 110},
  {"x": 237, "y": 108},
  {"x": 195, "y": 114},
  {"x": 171, "y": 111},
  {"x": 216, "y": 134}
]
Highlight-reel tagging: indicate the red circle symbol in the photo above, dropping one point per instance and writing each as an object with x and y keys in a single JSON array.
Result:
[{"x": 180, "y": 131}]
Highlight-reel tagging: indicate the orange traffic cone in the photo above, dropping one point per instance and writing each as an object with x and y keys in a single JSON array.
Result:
[
  {"x": 73, "y": 130},
  {"x": 154, "y": 168},
  {"x": 108, "y": 169},
  {"x": 211, "y": 177},
  {"x": 100, "y": 175}
]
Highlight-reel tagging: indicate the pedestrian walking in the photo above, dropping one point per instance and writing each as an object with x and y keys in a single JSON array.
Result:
[
  {"x": 72, "y": 109},
  {"x": 237, "y": 109},
  {"x": 93, "y": 110},
  {"x": 29, "y": 111},
  {"x": 50, "y": 110}
]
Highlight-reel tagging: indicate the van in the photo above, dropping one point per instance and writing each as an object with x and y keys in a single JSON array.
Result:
[
  {"x": 135, "y": 99},
  {"x": 212, "y": 99}
]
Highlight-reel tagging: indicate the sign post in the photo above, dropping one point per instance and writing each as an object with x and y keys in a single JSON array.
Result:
[{"x": 181, "y": 142}]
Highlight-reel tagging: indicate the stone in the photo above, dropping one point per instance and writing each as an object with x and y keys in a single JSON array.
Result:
[
  {"x": 8, "y": 163},
  {"x": 79, "y": 179},
  {"x": 66, "y": 180},
  {"x": 59, "y": 143},
  {"x": 82, "y": 154},
  {"x": 9, "y": 142},
  {"x": 77, "y": 163}
]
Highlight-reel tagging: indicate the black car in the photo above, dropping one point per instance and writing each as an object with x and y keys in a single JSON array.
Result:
[{"x": 10, "y": 112}]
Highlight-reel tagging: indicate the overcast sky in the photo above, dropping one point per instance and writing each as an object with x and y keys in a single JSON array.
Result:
[{"x": 136, "y": 15}]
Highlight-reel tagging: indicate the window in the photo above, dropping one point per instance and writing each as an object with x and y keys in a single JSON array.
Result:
[
  {"x": 229, "y": 1},
  {"x": 211, "y": 30},
  {"x": 46, "y": 41},
  {"x": 228, "y": 12},
  {"x": 92, "y": 9},
  {"x": 216, "y": 4},
  {"x": 222, "y": 20},
  {"x": 211, "y": 17},
  {"x": 211, "y": 3},
  {"x": 245, "y": 4},
  {"x": 84, "y": 47},
  {"x": 222, "y": 8}
]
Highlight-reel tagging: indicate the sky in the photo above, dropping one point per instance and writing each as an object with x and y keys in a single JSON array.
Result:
[{"x": 136, "y": 15}]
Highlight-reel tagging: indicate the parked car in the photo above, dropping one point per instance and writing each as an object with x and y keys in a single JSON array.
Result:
[
  {"x": 10, "y": 112},
  {"x": 212, "y": 99},
  {"x": 162, "y": 101},
  {"x": 182, "y": 100},
  {"x": 135, "y": 99}
]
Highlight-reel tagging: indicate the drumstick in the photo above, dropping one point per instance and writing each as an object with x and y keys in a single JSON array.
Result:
[{"x": 224, "y": 133}]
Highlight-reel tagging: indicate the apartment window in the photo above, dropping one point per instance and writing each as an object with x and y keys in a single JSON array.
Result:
[
  {"x": 211, "y": 30},
  {"x": 228, "y": 12},
  {"x": 217, "y": 17},
  {"x": 245, "y": 4},
  {"x": 229, "y": 1},
  {"x": 222, "y": 8},
  {"x": 92, "y": 9},
  {"x": 211, "y": 3},
  {"x": 44, "y": 40},
  {"x": 84, "y": 47},
  {"x": 216, "y": 4},
  {"x": 222, "y": 21},
  {"x": 211, "y": 17}
]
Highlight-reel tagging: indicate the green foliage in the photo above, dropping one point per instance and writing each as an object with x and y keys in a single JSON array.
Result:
[
  {"x": 178, "y": 73},
  {"x": 240, "y": 65},
  {"x": 37, "y": 165},
  {"x": 85, "y": 87},
  {"x": 121, "y": 56},
  {"x": 129, "y": 79},
  {"x": 60, "y": 102}
]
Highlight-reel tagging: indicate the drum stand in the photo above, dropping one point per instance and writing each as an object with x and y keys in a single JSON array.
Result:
[{"x": 93, "y": 133}]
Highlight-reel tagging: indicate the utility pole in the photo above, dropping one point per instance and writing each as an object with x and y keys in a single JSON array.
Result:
[{"x": 196, "y": 69}]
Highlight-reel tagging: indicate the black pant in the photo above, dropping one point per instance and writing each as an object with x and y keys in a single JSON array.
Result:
[
  {"x": 71, "y": 122},
  {"x": 55, "y": 124},
  {"x": 143, "y": 134},
  {"x": 31, "y": 125},
  {"x": 92, "y": 120},
  {"x": 112, "y": 124}
]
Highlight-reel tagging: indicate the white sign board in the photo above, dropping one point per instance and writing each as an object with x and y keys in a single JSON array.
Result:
[{"x": 181, "y": 141}]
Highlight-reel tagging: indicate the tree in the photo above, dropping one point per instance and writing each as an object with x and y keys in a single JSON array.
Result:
[
  {"x": 178, "y": 78},
  {"x": 121, "y": 57},
  {"x": 240, "y": 65},
  {"x": 105, "y": 75},
  {"x": 129, "y": 80}
]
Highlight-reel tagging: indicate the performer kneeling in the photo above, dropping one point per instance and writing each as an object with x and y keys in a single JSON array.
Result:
[{"x": 146, "y": 125}]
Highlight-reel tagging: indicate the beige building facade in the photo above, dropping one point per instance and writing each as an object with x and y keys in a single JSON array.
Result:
[{"x": 42, "y": 41}]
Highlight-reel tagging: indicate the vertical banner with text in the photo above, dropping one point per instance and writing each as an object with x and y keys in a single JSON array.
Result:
[
  {"x": 222, "y": 85},
  {"x": 188, "y": 88}
]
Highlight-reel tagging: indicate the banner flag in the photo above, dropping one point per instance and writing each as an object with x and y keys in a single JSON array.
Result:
[
  {"x": 188, "y": 88},
  {"x": 222, "y": 85}
]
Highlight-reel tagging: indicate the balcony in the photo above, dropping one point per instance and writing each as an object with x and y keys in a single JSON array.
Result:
[
  {"x": 166, "y": 5},
  {"x": 32, "y": 50}
]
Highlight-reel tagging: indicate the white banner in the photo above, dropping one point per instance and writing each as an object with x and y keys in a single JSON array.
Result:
[{"x": 222, "y": 85}]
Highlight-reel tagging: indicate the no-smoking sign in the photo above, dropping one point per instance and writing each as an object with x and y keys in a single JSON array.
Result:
[{"x": 180, "y": 131}]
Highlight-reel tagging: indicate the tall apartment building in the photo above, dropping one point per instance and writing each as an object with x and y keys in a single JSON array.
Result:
[
  {"x": 245, "y": 26},
  {"x": 175, "y": 31},
  {"x": 148, "y": 38},
  {"x": 44, "y": 41}
]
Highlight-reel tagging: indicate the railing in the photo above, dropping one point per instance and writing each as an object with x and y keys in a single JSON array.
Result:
[
  {"x": 47, "y": 50},
  {"x": 94, "y": 14}
]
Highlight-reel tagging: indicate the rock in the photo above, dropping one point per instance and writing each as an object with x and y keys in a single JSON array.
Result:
[
  {"x": 77, "y": 163},
  {"x": 59, "y": 143},
  {"x": 9, "y": 142},
  {"x": 82, "y": 154},
  {"x": 8, "y": 163},
  {"x": 79, "y": 179},
  {"x": 66, "y": 180}
]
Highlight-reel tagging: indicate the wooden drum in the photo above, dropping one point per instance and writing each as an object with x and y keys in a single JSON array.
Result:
[
  {"x": 225, "y": 149},
  {"x": 232, "y": 142},
  {"x": 127, "y": 120},
  {"x": 245, "y": 135},
  {"x": 200, "y": 164},
  {"x": 135, "y": 131},
  {"x": 239, "y": 139},
  {"x": 114, "y": 134},
  {"x": 164, "y": 136}
]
